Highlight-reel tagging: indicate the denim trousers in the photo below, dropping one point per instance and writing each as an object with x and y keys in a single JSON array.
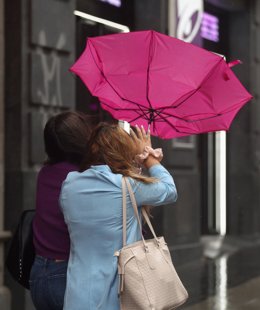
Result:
[{"x": 48, "y": 283}]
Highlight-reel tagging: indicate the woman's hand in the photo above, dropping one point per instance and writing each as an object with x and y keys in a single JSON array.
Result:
[
  {"x": 141, "y": 138},
  {"x": 146, "y": 156}
]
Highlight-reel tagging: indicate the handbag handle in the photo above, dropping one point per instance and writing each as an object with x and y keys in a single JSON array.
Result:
[{"x": 125, "y": 182}]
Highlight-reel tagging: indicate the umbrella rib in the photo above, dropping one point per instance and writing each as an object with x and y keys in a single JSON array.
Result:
[
  {"x": 143, "y": 114},
  {"x": 154, "y": 123},
  {"x": 103, "y": 74},
  {"x": 185, "y": 120},
  {"x": 177, "y": 130},
  {"x": 140, "y": 107},
  {"x": 148, "y": 69},
  {"x": 161, "y": 114},
  {"x": 164, "y": 117},
  {"x": 198, "y": 88},
  {"x": 147, "y": 118},
  {"x": 138, "y": 117}
]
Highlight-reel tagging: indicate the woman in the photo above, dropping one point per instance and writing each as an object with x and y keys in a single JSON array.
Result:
[
  {"x": 92, "y": 205},
  {"x": 65, "y": 138}
]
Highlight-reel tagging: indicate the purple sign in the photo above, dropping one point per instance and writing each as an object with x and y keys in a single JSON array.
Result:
[
  {"x": 188, "y": 19},
  {"x": 210, "y": 27}
]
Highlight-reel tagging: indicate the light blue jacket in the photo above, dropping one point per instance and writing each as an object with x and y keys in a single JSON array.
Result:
[{"x": 92, "y": 205}]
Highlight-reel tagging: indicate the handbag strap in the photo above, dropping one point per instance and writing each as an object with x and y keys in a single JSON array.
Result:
[
  {"x": 125, "y": 182},
  {"x": 124, "y": 210},
  {"x": 146, "y": 216}
]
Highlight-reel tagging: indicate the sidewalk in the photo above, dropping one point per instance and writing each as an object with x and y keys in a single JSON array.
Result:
[
  {"x": 227, "y": 278},
  {"x": 243, "y": 297}
]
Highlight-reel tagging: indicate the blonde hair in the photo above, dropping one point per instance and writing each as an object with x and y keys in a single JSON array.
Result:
[{"x": 111, "y": 145}]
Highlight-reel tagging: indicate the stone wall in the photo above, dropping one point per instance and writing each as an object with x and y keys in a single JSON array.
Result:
[
  {"x": 5, "y": 296},
  {"x": 40, "y": 44},
  {"x": 243, "y": 139}
]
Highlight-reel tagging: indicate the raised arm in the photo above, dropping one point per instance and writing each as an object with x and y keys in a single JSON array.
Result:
[{"x": 164, "y": 190}]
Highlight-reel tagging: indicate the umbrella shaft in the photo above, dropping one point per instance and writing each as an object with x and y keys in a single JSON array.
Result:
[{"x": 151, "y": 118}]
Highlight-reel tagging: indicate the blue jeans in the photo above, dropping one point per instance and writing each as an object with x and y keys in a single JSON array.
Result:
[{"x": 48, "y": 283}]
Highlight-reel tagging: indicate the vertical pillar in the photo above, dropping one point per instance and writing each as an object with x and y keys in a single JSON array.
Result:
[
  {"x": 243, "y": 138},
  {"x": 38, "y": 85},
  {"x": 254, "y": 67},
  {"x": 5, "y": 297}
]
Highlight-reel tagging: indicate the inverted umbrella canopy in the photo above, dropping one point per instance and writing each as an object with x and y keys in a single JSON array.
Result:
[{"x": 146, "y": 77}]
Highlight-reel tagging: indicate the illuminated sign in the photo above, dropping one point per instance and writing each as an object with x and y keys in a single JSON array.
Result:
[
  {"x": 210, "y": 27},
  {"x": 189, "y": 16},
  {"x": 116, "y": 3}
]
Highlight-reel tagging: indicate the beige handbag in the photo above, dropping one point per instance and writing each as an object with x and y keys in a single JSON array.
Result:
[{"x": 148, "y": 279}]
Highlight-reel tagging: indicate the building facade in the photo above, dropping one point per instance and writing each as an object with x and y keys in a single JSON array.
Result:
[{"x": 40, "y": 39}]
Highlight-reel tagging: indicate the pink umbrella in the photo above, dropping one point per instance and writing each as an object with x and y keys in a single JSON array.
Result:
[{"x": 148, "y": 78}]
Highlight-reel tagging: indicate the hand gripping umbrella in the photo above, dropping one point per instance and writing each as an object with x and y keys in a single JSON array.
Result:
[{"x": 148, "y": 78}]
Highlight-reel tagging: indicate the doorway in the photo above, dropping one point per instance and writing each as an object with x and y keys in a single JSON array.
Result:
[{"x": 91, "y": 26}]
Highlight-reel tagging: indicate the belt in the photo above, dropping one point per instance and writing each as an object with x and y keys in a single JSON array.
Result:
[{"x": 50, "y": 259}]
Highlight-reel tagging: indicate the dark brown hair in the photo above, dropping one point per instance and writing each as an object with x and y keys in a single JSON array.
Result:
[{"x": 65, "y": 137}]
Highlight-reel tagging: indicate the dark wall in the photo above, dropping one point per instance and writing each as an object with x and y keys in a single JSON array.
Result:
[
  {"x": 40, "y": 43},
  {"x": 122, "y": 15},
  {"x": 243, "y": 168},
  {"x": 151, "y": 14},
  {"x": 243, "y": 139}
]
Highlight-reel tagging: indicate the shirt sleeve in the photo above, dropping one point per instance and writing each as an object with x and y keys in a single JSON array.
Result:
[{"x": 155, "y": 194}]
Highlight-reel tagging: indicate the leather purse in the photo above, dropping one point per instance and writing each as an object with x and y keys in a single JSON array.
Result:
[
  {"x": 21, "y": 253},
  {"x": 147, "y": 277}
]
